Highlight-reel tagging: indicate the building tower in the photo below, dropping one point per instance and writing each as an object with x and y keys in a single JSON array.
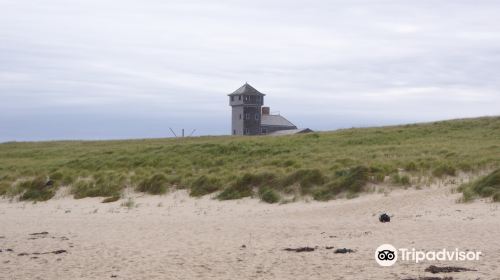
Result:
[{"x": 246, "y": 116}]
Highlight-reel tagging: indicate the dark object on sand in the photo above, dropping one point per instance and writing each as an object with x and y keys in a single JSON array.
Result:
[
  {"x": 9, "y": 250},
  {"x": 430, "y": 278},
  {"x": 384, "y": 218},
  {"x": 39, "y": 233},
  {"x": 446, "y": 269},
  {"x": 111, "y": 199},
  {"x": 343, "y": 251},
  {"x": 300, "y": 249},
  {"x": 59, "y": 252},
  {"x": 329, "y": 247},
  {"x": 243, "y": 246},
  {"x": 49, "y": 183}
]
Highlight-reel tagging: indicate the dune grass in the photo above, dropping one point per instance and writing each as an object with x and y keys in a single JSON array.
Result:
[
  {"x": 156, "y": 184},
  {"x": 322, "y": 165},
  {"x": 486, "y": 186}
]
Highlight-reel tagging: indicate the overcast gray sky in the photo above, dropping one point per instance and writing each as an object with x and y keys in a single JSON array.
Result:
[{"x": 99, "y": 69}]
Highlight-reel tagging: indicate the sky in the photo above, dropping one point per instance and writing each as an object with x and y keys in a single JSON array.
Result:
[{"x": 113, "y": 69}]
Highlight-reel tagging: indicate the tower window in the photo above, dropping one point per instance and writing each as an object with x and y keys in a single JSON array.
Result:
[
  {"x": 232, "y": 98},
  {"x": 239, "y": 97},
  {"x": 257, "y": 117},
  {"x": 246, "y": 98},
  {"x": 247, "y": 116}
]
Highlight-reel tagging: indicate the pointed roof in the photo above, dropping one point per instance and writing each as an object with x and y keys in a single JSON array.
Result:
[{"x": 247, "y": 89}]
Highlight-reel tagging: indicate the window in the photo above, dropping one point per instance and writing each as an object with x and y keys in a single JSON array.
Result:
[
  {"x": 247, "y": 131},
  {"x": 239, "y": 97},
  {"x": 240, "y": 116},
  {"x": 234, "y": 131},
  {"x": 247, "y": 116},
  {"x": 232, "y": 98},
  {"x": 257, "y": 116},
  {"x": 246, "y": 97}
]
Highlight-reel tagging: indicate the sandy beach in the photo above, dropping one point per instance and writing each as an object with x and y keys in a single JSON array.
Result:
[{"x": 178, "y": 237}]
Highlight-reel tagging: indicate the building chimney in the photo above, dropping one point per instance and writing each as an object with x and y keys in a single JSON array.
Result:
[{"x": 265, "y": 110}]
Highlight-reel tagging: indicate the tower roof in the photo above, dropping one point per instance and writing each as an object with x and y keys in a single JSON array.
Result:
[{"x": 247, "y": 89}]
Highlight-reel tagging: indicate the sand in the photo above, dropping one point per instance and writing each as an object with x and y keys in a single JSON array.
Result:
[{"x": 178, "y": 237}]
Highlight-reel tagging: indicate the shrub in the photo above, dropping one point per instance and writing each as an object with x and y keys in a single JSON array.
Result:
[
  {"x": 67, "y": 179},
  {"x": 62, "y": 178},
  {"x": 444, "y": 169},
  {"x": 235, "y": 192},
  {"x": 83, "y": 188},
  {"x": 400, "y": 180},
  {"x": 496, "y": 197},
  {"x": 103, "y": 184},
  {"x": 326, "y": 193},
  {"x": 130, "y": 203},
  {"x": 307, "y": 178},
  {"x": 255, "y": 180},
  {"x": 36, "y": 189},
  {"x": 156, "y": 184},
  {"x": 243, "y": 186},
  {"x": 204, "y": 185},
  {"x": 464, "y": 167},
  {"x": 467, "y": 193},
  {"x": 351, "y": 181},
  {"x": 405, "y": 180},
  {"x": 411, "y": 166},
  {"x": 4, "y": 188},
  {"x": 487, "y": 186},
  {"x": 56, "y": 176},
  {"x": 268, "y": 195},
  {"x": 354, "y": 179},
  {"x": 379, "y": 177}
]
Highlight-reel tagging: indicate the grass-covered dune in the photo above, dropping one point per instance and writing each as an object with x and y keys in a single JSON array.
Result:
[
  {"x": 321, "y": 165},
  {"x": 486, "y": 186}
]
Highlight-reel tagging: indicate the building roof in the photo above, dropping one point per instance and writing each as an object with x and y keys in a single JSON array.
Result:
[
  {"x": 275, "y": 120},
  {"x": 290, "y": 131},
  {"x": 247, "y": 89}
]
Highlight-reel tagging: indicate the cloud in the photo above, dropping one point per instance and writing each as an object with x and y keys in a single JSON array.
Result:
[{"x": 94, "y": 63}]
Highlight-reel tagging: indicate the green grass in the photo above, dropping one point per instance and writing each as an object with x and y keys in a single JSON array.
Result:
[
  {"x": 156, "y": 184},
  {"x": 486, "y": 186},
  {"x": 350, "y": 181},
  {"x": 205, "y": 185},
  {"x": 102, "y": 184},
  {"x": 35, "y": 189},
  {"x": 269, "y": 195},
  {"x": 403, "y": 180},
  {"x": 322, "y": 164}
]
